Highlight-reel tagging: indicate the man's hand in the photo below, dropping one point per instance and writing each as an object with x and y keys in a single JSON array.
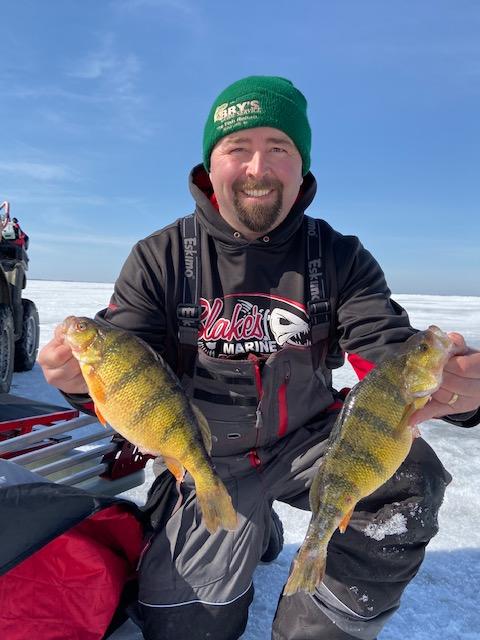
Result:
[
  {"x": 460, "y": 390},
  {"x": 59, "y": 366}
]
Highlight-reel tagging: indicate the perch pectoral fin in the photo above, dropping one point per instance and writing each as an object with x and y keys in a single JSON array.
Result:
[
  {"x": 97, "y": 390},
  {"x": 345, "y": 520},
  {"x": 101, "y": 419},
  {"x": 175, "y": 467}
]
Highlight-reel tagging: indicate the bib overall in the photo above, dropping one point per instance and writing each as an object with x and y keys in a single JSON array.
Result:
[{"x": 270, "y": 416}]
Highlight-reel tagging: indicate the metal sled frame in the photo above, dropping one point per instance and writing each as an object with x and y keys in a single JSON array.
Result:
[{"x": 57, "y": 444}]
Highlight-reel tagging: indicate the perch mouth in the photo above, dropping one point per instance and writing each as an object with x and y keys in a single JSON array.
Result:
[
  {"x": 76, "y": 334},
  {"x": 66, "y": 324},
  {"x": 445, "y": 341}
]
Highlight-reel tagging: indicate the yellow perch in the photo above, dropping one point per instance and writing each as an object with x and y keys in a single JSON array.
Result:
[
  {"x": 369, "y": 441},
  {"x": 136, "y": 392}
]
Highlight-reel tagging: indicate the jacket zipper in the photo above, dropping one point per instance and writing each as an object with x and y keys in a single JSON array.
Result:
[{"x": 252, "y": 454}]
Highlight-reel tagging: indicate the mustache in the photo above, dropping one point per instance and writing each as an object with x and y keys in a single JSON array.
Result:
[{"x": 250, "y": 185}]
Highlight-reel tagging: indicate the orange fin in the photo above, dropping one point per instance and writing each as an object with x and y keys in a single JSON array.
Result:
[
  {"x": 175, "y": 467},
  {"x": 101, "y": 419},
  {"x": 345, "y": 520},
  {"x": 95, "y": 384},
  {"x": 96, "y": 387}
]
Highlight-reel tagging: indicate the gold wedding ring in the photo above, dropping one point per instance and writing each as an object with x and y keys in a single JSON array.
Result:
[{"x": 453, "y": 399}]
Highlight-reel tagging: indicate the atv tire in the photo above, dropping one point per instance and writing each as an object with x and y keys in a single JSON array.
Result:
[
  {"x": 7, "y": 347},
  {"x": 26, "y": 347}
]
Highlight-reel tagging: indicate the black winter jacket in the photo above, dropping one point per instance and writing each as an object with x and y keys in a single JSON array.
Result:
[{"x": 254, "y": 294}]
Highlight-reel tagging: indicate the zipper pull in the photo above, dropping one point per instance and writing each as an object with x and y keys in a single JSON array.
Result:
[
  {"x": 259, "y": 420},
  {"x": 254, "y": 459}
]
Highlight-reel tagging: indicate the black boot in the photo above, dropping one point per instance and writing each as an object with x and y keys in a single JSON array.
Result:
[{"x": 275, "y": 544}]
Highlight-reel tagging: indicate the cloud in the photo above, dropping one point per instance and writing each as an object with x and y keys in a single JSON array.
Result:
[
  {"x": 59, "y": 120},
  {"x": 119, "y": 71},
  {"x": 86, "y": 239},
  {"x": 98, "y": 63},
  {"x": 38, "y": 170},
  {"x": 110, "y": 76},
  {"x": 62, "y": 198},
  {"x": 102, "y": 83}
]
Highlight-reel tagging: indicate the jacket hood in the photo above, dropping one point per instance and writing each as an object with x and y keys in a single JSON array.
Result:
[{"x": 209, "y": 217}]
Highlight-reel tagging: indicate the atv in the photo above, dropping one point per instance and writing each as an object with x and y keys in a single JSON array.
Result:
[{"x": 19, "y": 322}]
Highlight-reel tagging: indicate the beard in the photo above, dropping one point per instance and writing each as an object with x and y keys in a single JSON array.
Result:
[{"x": 259, "y": 217}]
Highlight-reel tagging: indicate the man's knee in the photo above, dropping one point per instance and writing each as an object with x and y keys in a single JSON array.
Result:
[
  {"x": 409, "y": 502},
  {"x": 196, "y": 621}
]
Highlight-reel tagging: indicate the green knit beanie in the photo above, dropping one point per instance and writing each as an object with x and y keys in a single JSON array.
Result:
[{"x": 259, "y": 101}]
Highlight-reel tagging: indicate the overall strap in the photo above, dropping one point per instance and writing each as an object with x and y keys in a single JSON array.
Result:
[
  {"x": 322, "y": 289},
  {"x": 189, "y": 310}
]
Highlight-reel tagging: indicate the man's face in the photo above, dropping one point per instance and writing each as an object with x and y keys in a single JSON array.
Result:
[{"x": 256, "y": 175}]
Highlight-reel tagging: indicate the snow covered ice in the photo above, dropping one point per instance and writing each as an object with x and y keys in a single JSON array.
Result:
[{"x": 443, "y": 601}]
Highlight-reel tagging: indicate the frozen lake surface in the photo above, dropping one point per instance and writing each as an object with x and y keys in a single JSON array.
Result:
[{"x": 442, "y": 602}]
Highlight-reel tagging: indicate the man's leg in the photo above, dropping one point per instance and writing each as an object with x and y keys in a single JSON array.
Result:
[
  {"x": 369, "y": 566},
  {"x": 196, "y": 585},
  {"x": 275, "y": 541},
  {"x": 197, "y": 620}
]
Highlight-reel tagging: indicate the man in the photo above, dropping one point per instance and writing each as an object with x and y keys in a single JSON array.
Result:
[
  {"x": 279, "y": 297},
  {"x": 21, "y": 238}
]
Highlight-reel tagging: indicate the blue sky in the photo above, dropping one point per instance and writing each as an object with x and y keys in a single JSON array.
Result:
[{"x": 103, "y": 105}]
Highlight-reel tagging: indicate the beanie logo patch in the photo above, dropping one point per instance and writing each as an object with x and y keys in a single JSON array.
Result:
[{"x": 225, "y": 113}]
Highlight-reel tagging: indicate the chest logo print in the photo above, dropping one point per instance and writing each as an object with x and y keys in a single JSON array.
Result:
[{"x": 237, "y": 326}]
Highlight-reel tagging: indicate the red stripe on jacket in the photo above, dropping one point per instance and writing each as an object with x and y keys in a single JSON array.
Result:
[
  {"x": 282, "y": 410},
  {"x": 360, "y": 365}
]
